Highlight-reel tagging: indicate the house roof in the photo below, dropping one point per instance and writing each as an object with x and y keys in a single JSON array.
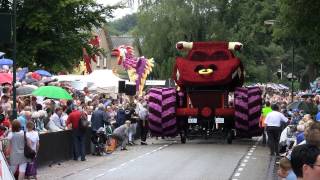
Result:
[{"x": 122, "y": 40}]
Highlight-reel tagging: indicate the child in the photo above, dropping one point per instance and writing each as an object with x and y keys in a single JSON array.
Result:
[{"x": 285, "y": 170}]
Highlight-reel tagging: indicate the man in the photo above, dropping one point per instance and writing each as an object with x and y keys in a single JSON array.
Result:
[
  {"x": 99, "y": 118},
  {"x": 143, "y": 113},
  {"x": 305, "y": 162},
  {"x": 273, "y": 122},
  {"x": 265, "y": 111},
  {"x": 121, "y": 134},
  {"x": 56, "y": 118},
  {"x": 78, "y": 136}
]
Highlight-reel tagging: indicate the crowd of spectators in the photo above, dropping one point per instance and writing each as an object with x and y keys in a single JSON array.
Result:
[
  {"x": 293, "y": 134},
  {"x": 37, "y": 115}
]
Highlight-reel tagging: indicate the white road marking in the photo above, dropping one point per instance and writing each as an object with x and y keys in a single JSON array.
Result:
[
  {"x": 243, "y": 164},
  {"x": 240, "y": 169},
  {"x": 237, "y": 174},
  {"x": 247, "y": 157},
  {"x": 99, "y": 175},
  {"x": 132, "y": 160},
  {"x": 245, "y": 160},
  {"x": 112, "y": 169},
  {"x": 249, "y": 154}
]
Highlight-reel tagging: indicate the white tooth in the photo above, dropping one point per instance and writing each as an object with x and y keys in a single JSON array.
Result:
[
  {"x": 239, "y": 72},
  {"x": 178, "y": 75}
]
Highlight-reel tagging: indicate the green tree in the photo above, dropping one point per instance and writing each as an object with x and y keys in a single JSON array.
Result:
[
  {"x": 123, "y": 25},
  {"x": 51, "y": 34},
  {"x": 297, "y": 25}
]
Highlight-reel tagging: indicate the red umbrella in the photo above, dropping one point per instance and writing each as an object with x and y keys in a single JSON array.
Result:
[
  {"x": 36, "y": 76},
  {"x": 6, "y": 78}
]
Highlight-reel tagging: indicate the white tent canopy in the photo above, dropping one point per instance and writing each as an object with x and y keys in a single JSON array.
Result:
[{"x": 103, "y": 81}]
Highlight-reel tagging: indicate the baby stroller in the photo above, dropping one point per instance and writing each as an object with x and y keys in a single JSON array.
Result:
[{"x": 99, "y": 141}]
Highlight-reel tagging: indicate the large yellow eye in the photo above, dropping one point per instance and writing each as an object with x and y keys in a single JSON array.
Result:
[{"x": 205, "y": 71}]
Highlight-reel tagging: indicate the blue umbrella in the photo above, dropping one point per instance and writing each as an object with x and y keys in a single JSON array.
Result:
[
  {"x": 5, "y": 61},
  {"x": 43, "y": 73}
]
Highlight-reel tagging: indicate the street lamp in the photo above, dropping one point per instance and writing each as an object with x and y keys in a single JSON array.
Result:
[{"x": 272, "y": 22}]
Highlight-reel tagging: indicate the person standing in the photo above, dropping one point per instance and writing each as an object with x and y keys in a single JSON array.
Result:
[
  {"x": 273, "y": 126},
  {"x": 265, "y": 111},
  {"x": 33, "y": 141},
  {"x": 78, "y": 136},
  {"x": 99, "y": 118},
  {"x": 143, "y": 113},
  {"x": 18, "y": 162}
]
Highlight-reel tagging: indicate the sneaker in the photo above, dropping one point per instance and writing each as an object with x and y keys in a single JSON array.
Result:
[
  {"x": 143, "y": 143},
  {"x": 130, "y": 143},
  {"x": 124, "y": 149},
  {"x": 83, "y": 159}
]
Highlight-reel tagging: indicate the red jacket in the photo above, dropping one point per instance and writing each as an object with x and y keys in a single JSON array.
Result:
[{"x": 74, "y": 118}]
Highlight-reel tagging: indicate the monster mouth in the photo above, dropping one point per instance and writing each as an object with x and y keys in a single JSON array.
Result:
[
  {"x": 205, "y": 71},
  {"x": 202, "y": 70}
]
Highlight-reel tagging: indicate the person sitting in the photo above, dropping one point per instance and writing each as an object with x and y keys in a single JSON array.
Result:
[{"x": 305, "y": 162}]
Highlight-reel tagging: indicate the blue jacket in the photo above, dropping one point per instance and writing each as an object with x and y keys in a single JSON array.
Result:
[
  {"x": 99, "y": 118},
  {"x": 121, "y": 117}
]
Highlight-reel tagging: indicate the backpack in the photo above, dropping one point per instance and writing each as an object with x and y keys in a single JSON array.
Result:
[{"x": 83, "y": 122}]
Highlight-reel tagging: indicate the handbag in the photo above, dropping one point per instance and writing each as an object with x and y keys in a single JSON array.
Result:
[
  {"x": 31, "y": 169},
  {"x": 28, "y": 152}
]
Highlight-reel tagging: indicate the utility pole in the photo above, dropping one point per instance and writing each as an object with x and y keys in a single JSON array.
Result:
[
  {"x": 14, "y": 90},
  {"x": 292, "y": 76},
  {"x": 281, "y": 71}
]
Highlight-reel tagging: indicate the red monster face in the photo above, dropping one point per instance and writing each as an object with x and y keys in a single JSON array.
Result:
[
  {"x": 208, "y": 64},
  {"x": 116, "y": 54}
]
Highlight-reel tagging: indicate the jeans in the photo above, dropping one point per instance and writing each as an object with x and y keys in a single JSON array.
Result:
[
  {"x": 78, "y": 138},
  {"x": 273, "y": 139}
]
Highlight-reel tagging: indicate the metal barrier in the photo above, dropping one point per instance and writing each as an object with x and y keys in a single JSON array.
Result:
[{"x": 57, "y": 146}]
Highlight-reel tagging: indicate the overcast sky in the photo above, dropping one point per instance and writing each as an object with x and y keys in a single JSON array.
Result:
[{"x": 120, "y": 12}]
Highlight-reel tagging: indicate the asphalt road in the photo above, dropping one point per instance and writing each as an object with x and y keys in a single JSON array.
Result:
[{"x": 168, "y": 159}]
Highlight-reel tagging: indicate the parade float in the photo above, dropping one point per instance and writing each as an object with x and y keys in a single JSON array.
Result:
[
  {"x": 138, "y": 68},
  {"x": 205, "y": 78}
]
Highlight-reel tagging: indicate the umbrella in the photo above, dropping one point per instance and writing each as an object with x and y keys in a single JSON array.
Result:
[
  {"x": 300, "y": 105},
  {"x": 26, "y": 90},
  {"x": 5, "y": 61},
  {"x": 54, "y": 92},
  {"x": 307, "y": 95},
  {"x": 43, "y": 73},
  {"x": 36, "y": 76},
  {"x": 5, "y": 78}
]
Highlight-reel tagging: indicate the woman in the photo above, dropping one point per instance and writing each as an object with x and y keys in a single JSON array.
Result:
[
  {"x": 17, "y": 159},
  {"x": 33, "y": 142}
]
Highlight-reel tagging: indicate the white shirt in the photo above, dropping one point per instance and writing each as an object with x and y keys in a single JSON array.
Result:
[
  {"x": 33, "y": 136},
  {"x": 274, "y": 118}
]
